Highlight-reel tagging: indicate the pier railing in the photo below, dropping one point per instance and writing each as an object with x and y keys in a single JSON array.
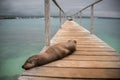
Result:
[
  {"x": 79, "y": 14},
  {"x": 61, "y": 12},
  {"x": 47, "y": 19},
  {"x": 62, "y": 17}
]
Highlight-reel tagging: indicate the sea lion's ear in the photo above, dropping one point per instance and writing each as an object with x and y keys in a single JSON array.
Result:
[{"x": 75, "y": 41}]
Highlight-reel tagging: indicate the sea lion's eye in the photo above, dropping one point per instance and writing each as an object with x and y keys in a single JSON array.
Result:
[{"x": 29, "y": 61}]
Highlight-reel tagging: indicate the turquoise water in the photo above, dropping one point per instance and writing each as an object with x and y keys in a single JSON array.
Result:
[
  {"x": 105, "y": 29},
  {"x": 21, "y": 38}
]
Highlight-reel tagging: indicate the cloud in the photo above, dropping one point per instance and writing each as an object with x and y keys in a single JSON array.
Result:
[
  {"x": 36, "y": 7},
  {"x": 21, "y": 7}
]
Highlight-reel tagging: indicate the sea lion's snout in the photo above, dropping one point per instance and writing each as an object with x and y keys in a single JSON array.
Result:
[
  {"x": 27, "y": 66},
  {"x": 23, "y": 66},
  {"x": 30, "y": 63}
]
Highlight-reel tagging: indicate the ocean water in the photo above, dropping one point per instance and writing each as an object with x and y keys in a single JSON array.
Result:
[
  {"x": 21, "y": 38},
  {"x": 105, "y": 29}
]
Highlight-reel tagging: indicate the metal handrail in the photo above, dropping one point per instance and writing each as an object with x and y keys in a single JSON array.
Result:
[
  {"x": 92, "y": 15},
  {"x": 58, "y": 6},
  {"x": 88, "y": 6},
  {"x": 62, "y": 13},
  {"x": 47, "y": 17}
]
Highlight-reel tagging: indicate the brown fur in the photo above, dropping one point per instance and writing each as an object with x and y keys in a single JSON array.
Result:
[{"x": 53, "y": 52}]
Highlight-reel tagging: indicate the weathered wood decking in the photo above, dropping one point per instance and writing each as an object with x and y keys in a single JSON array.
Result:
[{"x": 94, "y": 59}]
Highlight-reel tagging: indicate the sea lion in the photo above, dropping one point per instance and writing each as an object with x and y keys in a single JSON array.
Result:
[{"x": 52, "y": 53}]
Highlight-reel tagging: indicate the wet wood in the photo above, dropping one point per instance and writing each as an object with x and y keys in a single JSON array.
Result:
[
  {"x": 74, "y": 73},
  {"x": 97, "y": 53},
  {"x": 94, "y": 59},
  {"x": 44, "y": 78},
  {"x": 85, "y": 64}
]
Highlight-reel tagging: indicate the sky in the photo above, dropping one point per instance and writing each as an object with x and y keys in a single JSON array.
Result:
[{"x": 106, "y": 8}]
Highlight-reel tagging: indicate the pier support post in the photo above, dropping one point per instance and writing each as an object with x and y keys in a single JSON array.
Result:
[
  {"x": 64, "y": 17},
  {"x": 77, "y": 17},
  {"x": 81, "y": 18},
  {"x": 47, "y": 22},
  {"x": 60, "y": 18},
  {"x": 92, "y": 20},
  {"x": 74, "y": 17}
]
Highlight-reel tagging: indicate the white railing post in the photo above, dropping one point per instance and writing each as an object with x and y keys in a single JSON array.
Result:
[
  {"x": 92, "y": 15},
  {"x": 92, "y": 20},
  {"x": 47, "y": 22},
  {"x": 64, "y": 17},
  {"x": 60, "y": 17},
  {"x": 80, "y": 17},
  {"x": 74, "y": 17},
  {"x": 77, "y": 17}
]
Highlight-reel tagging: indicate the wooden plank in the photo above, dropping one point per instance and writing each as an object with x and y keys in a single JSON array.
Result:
[
  {"x": 78, "y": 39},
  {"x": 82, "y": 35},
  {"x": 95, "y": 49},
  {"x": 93, "y": 58},
  {"x": 97, "y": 53},
  {"x": 44, "y": 78},
  {"x": 76, "y": 32},
  {"x": 71, "y": 29},
  {"x": 83, "y": 43},
  {"x": 74, "y": 73},
  {"x": 92, "y": 46},
  {"x": 70, "y": 34},
  {"x": 84, "y": 64},
  {"x": 67, "y": 31},
  {"x": 74, "y": 29},
  {"x": 95, "y": 41}
]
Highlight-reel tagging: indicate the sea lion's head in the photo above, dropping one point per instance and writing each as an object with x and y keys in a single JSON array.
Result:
[
  {"x": 30, "y": 62},
  {"x": 71, "y": 45},
  {"x": 72, "y": 41}
]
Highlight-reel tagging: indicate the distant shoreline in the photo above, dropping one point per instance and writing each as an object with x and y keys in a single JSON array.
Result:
[{"x": 27, "y": 17}]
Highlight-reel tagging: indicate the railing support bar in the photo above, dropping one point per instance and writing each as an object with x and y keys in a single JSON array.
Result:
[
  {"x": 74, "y": 17},
  {"x": 60, "y": 17},
  {"x": 80, "y": 17},
  {"x": 64, "y": 18},
  {"x": 47, "y": 22},
  {"x": 92, "y": 20}
]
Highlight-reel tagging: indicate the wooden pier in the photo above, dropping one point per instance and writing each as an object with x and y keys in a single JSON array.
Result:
[{"x": 94, "y": 59}]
